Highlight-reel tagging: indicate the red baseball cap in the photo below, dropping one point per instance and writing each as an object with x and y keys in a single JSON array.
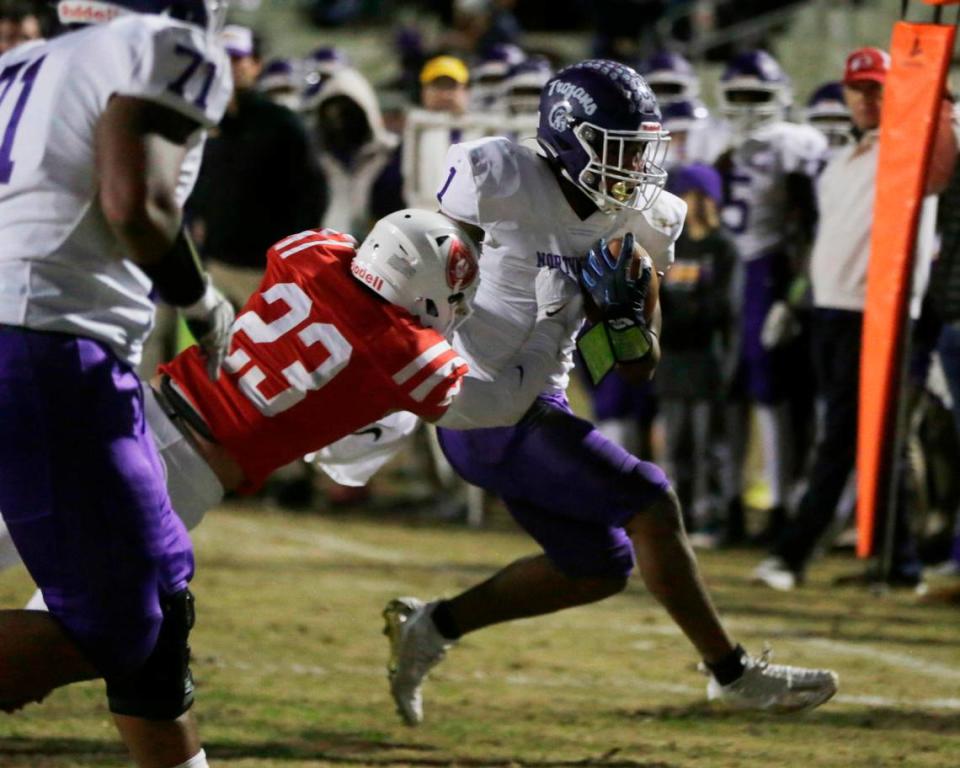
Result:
[{"x": 867, "y": 64}]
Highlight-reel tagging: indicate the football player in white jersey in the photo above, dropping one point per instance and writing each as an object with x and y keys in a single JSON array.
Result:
[
  {"x": 770, "y": 212},
  {"x": 595, "y": 509},
  {"x": 102, "y": 132}
]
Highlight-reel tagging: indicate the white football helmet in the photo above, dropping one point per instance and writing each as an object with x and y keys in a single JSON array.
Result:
[{"x": 423, "y": 262}]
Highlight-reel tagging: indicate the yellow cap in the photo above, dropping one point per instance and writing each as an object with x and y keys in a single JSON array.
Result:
[{"x": 445, "y": 66}]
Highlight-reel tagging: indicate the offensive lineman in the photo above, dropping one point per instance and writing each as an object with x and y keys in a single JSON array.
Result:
[
  {"x": 590, "y": 505},
  {"x": 103, "y": 129}
]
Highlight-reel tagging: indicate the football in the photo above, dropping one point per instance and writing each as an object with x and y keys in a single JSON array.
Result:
[{"x": 653, "y": 293}]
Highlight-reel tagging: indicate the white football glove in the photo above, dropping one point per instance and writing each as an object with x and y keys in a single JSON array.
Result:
[
  {"x": 210, "y": 320},
  {"x": 558, "y": 299},
  {"x": 780, "y": 326}
]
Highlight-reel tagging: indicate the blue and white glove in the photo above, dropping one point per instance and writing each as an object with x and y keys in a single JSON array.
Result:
[{"x": 620, "y": 299}]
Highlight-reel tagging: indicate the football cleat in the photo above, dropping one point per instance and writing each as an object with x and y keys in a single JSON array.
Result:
[
  {"x": 416, "y": 647},
  {"x": 774, "y": 687},
  {"x": 774, "y": 573}
]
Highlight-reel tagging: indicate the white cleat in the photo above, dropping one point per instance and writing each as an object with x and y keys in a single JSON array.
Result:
[
  {"x": 775, "y": 687},
  {"x": 774, "y": 573},
  {"x": 415, "y": 648}
]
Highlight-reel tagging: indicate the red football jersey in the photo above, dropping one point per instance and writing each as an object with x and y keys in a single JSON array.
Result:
[{"x": 315, "y": 356}]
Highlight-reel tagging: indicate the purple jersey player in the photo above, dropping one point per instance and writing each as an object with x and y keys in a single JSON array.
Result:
[
  {"x": 596, "y": 510},
  {"x": 103, "y": 132}
]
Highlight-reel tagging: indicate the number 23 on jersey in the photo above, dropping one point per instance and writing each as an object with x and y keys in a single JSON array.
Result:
[{"x": 292, "y": 330}]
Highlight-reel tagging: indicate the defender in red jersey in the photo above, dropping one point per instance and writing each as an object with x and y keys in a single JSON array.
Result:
[{"x": 337, "y": 337}]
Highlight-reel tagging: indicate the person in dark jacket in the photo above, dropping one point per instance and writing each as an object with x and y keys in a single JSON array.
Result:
[
  {"x": 695, "y": 295},
  {"x": 258, "y": 182}
]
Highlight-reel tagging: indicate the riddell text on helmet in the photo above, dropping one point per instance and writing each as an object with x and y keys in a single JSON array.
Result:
[{"x": 374, "y": 281}]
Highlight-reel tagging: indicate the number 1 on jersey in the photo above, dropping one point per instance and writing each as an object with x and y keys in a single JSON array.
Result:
[{"x": 7, "y": 78}]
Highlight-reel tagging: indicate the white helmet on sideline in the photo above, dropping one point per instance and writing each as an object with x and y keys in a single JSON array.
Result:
[{"x": 421, "y": 261}]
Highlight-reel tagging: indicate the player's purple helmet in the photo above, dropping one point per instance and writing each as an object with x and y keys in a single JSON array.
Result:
[
  {"x": 280, "y": 81},
  {"x": 670, "y": 77},
  {"x": 827, "y": 110},
  {"x": 754, "y": 90},
  {"x": 206, "y": 14},
  {"x": 318, "y": 66},
  {"x": 600, "y": 122},
  {"x": 487, "y": 74},
  {"x": 683, "y": 114},
  {"x": 523, "y": 84}
]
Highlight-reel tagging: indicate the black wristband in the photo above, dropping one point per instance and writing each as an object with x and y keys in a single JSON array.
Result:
[{"x": 178, "y": 276}]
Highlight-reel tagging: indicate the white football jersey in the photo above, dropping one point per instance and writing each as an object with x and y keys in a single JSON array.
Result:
[
  {"x": 756, "y": 206},
  {"x": 509, "y": 191},
  {"x": 61, "y": 268}
]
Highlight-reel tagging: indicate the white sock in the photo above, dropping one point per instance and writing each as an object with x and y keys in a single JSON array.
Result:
[{"x": 199, "y": 760}]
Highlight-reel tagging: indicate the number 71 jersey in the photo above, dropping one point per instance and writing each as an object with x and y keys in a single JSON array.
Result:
[
  {"x": 61, "y": 267},
  {"x": 315, "y": 356}
]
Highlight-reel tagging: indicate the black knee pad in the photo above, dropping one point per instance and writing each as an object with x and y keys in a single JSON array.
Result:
[{"x": 162, "y": 689}]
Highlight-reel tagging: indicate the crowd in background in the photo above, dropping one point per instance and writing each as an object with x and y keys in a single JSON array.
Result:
[{"x": 310, "y": 141}]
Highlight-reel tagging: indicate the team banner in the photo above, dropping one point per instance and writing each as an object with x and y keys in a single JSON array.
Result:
[{"x": 913, "y": 93}]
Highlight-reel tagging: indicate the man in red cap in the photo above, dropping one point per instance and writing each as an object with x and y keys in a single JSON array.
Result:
[{"x": 838, "y": 277}]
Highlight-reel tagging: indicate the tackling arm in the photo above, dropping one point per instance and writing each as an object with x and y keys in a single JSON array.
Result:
[{"x": 504, "y": 400}]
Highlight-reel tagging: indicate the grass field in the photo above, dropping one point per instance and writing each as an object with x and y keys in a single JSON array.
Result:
[{"x": 289, "y": 665}]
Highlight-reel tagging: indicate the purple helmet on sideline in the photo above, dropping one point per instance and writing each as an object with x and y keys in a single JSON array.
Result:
[
  {"x": 827, "y": 111},
  {"x": 683, "y": 114},
  {"x": 318, "y": 66},
  {"x": 209, "y": 15},
  {"x": 600, "y": 122},
  {"x": 670, "y": 77},
  {"x": 280, "y": 81},
  {"x": 487, "y": 74},
  {"x": 754, "y": 90},
  {"x": 523, "y": 84}
]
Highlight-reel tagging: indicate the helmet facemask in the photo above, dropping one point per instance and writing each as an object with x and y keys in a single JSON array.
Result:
[
  {"x": 753, "y": 104},
  {"x": 625, "y": 168}
]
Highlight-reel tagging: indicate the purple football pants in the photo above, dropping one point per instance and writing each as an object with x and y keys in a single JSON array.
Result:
[
  {"x": 567, "y": 485},
  {"x": 82, "y": 491},
  {"x": 764, "y": 374}
]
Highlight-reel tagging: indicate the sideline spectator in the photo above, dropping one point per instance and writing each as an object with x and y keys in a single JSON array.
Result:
[
  {"x": 258, "y": 182},
  {"x": 695, "y": 296},
  {"x": 838, "y": 275},
  {"x": 444, "y": 85},
  {"x": 358, "y": 157}
]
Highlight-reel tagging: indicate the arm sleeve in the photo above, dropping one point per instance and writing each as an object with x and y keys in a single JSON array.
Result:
[
  {"x": 664, "y": 223},
  {"x": 177, "y": 66},
  {"x": 803, "y": 151},
  {"x": 504, "y": 400}
]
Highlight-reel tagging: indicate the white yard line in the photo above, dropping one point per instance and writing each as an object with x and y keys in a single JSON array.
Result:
[
  {"x": 890, "y": 658},
  {"x": 311, "y": 540},
  {"x": 576, "y": 682}
]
